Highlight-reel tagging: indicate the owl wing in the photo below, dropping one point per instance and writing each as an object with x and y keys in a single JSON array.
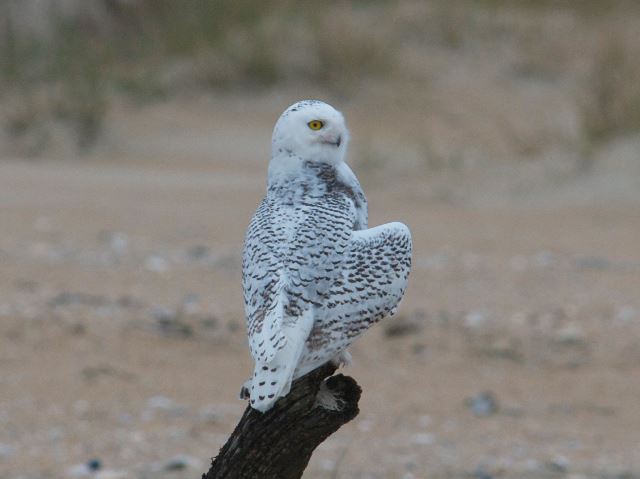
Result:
[
  {"x": 291, "y": 259},
  {"x": 262, "y": 283},
  {"x": 349, "y": 179},
  {"x": 372, "y": 282}
]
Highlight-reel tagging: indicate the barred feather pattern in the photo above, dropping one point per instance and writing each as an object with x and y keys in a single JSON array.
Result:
[{"x": 314, "y": 276}]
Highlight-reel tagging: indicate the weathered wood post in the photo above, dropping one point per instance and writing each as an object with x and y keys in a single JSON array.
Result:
[{"x": 278, "y": 444}]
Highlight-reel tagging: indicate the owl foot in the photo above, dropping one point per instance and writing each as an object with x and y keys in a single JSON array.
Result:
[
  {"x": 342, "y": 359},
  {"x": 244, "y": 390}
]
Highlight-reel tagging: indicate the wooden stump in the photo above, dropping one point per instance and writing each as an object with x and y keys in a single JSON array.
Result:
[{"x": 278, "y": 444}]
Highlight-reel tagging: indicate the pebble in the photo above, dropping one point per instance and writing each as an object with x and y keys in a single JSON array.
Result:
[
  {"x": 170, "y": 408},
  {"x": 93, "y": 469},
  {"x": 544, "y": 258},
  {"x": 597, "y": 263},
  {"x": 198, "y": 252},
  {"x": 422, "y": 439},
  {"x": 476, "y": 319},
  {"x": 327, "y": 465},
  {"x": 168, "y": 322},
  {"x": 434, "y": 263},
  {"x": 483, "y": 404},
  {"x": 424, "y": 421},
  {"x": 405, "y": 325},
  {"x": 571, "y": 333},
  {"x": 67, "y": 298},
  {"x": 182, "y": 462},
  {"x": 365, "y": 425},
  {"x": 559, "y": 464},
  {"x": 156, "y": 264},
  {"x": 481, "y": 473},
  {"x": 119, "y": 243},
  {"x": 111, "y": 474},
  {"x": 626, "y": 314},
  {"x": 79, "y": 470},
  {"x": 94, "y": 464},
  {"x": 210, "y": 414},
  {"x": 160, "y": 402}
]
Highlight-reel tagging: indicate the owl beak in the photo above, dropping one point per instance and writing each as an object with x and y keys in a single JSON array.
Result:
[{"x": 335, "y": 141}]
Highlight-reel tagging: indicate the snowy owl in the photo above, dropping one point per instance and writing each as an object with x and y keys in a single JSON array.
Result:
[{"x": 314, "y": 276}]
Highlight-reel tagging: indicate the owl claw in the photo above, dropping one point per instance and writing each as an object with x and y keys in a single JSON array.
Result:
[
  {"x": 342, "y": 359},
  {"x": 244, "y": 390}
]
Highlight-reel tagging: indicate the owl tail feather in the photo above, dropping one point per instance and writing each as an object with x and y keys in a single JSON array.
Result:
[{"x": 272, "y": 380}]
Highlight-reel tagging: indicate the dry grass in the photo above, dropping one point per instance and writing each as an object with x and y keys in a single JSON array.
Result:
[
  {"x": 148, "y": 50},
  {"x": 612, "y": 100}
]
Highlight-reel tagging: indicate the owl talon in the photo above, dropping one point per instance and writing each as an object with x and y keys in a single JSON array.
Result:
[
  {"x": 342, "y": 359},
  {"x": 244, "y": 390}
]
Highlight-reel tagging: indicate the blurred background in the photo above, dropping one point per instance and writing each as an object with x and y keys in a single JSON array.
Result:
[{"x": 134, "y": 142}]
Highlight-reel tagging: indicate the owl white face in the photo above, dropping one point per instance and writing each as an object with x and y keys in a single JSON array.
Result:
[{"x": 310, "y": 130}]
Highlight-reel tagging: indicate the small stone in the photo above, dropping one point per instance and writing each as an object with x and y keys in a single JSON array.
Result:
[
  {"x": 210, "y": 414},
  {"x": 190, "y": 304},
  {"x": 79, "y": 470},
  {"x": 476, "y": 319},
  {"x": 126, "y": 301},
  {"x": 481, "y": 473},
  {"x": 169, "y": 408},
  {"x": 422, "y": 439},
  {"x": 182, "y": 462},
  {"x": 544, "y": 258},
  {"x": 327, "y": 465},
  {"x": 483, "y": 404},
  {"x": 365, "y": 425},
  {"x": 405, "y": 325},
  {"x": 117, "y": 241},
  {"x": 626, "y": 314},
  {"x": 570, "y": 334},
  {"x": 81, "y": 407},
  {"x": 109, "y": 474},
  {"x": 597, "y": 263},
  {"x": 424, "y": 421},
  {"x": 559, "y": 464},
  {"x": 156, "y": 264},
  {"x": 198, "y": 252},
  {"x": 169, "y": 322},
  {"x": 94, "y": 464},
  {"x": 420, "y": 349},
  {"x": 160, "y": 402},
  {"x": 233, "y": 326}
]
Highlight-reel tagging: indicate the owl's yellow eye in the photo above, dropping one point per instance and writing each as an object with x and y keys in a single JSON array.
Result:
[{"x": 315, "y": 124}]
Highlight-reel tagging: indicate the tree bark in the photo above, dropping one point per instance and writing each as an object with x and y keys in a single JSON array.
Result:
[{"x": 278, "y": 444}]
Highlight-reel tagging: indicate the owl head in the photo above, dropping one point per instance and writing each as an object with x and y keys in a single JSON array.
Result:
[{"x": 310, "y": 130}]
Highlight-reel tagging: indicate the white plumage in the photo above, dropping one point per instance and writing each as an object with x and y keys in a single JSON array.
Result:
[{"x": 314, "y": 277}]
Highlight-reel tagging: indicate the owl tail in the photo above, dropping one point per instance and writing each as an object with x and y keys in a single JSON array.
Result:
[{"x": 272, "y": 380}]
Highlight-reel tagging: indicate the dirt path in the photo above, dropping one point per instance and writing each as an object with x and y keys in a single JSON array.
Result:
[{"x": 121, "y": 328}]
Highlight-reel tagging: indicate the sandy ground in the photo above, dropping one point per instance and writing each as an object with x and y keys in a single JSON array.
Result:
[{"x": 122, "y": 336}]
